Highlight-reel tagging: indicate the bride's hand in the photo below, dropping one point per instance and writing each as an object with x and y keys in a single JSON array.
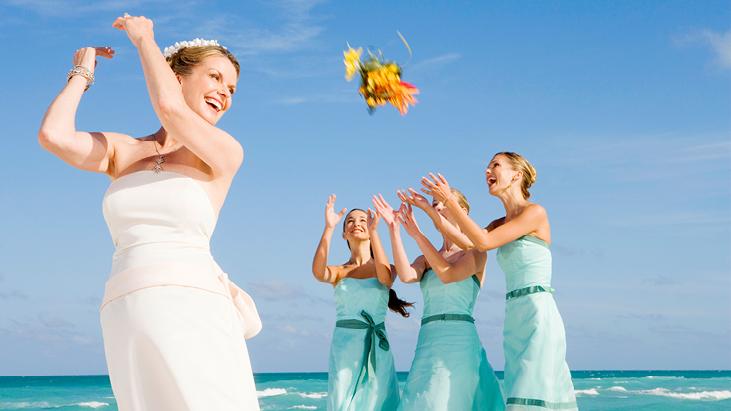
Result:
[
  {"x": 138, "y": 28},
  {"x": 86, "y": 56},
  {"x": 331, "y": 217}
]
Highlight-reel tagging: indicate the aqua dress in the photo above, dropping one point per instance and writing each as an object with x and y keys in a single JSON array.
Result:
[
  {"x": 362, "y": 376},
  {"x": 450, "y": 371},
  {"x": 536, "y": 374}
]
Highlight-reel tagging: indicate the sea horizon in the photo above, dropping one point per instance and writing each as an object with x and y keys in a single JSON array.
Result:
[
  {"x": 499, "y": 373},
  {"x": 601, "y": 390}
]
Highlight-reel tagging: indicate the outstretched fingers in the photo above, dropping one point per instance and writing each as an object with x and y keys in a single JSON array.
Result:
[{"x": 119, "y": 23}]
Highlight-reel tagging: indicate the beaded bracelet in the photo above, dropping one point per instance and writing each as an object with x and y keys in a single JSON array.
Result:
[{"x": 83, "y": 72}]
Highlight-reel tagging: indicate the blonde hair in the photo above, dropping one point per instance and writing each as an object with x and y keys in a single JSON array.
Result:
[
  {"x": 461, "y": 199},
  {"x": 519, "y": 163},
  {"x": 183, "y": 61}
]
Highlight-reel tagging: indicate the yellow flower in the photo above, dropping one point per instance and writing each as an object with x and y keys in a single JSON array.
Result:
[{"x": 352, "y": 61}]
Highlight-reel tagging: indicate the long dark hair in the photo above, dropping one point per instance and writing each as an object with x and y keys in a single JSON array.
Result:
[
  {"x": 398, "y": 305},
  {"x": 395, "y": 304}
]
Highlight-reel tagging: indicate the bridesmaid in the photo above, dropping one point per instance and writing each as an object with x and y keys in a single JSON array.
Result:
[
  {"x": 450, "y": 369},
  {"x": 536, "y": 373},
  {"x": 362, "y": 376}
]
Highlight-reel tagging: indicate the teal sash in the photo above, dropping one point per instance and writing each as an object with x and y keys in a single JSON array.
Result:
[
  {"x": 369, "y": 347},
  {"x": 521, "y": 292},
  {"x": 447, "y": 317},
  {"x": 541, "y": 403}
]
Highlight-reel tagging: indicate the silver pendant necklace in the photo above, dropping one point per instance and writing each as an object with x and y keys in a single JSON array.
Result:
[{"x": 157, "y": 168}]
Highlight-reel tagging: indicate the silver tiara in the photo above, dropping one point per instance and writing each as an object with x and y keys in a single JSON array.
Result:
[{"x": 169, "y": 51}]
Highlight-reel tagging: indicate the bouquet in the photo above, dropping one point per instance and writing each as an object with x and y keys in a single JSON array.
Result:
[{"x": 380, "y": 81}]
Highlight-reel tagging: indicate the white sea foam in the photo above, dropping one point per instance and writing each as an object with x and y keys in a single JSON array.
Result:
[
  {"x": 44, "y": 404},
  {"x": 24, "y": 404},
  {"x": 303, "y": 407},
  {"x": 617, "y": 388},
  {"x": 315, "y": 395},
  {"x": 590, "y": 391},
  {"x": 271, "y": 392},
  {"x": 663, "y": 377},
  {"x": 701, "y": 395},
  {"x": 92, "y": 404}
]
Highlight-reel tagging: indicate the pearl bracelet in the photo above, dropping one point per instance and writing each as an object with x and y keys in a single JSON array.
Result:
[{"x": 83, "y": 72}]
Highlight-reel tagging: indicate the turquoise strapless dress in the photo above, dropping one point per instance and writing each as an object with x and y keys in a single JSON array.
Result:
[
  {"x": 536, "y": 373},
  {"x": 362, "y": 376},
  {"x": 450, "y": 371}
]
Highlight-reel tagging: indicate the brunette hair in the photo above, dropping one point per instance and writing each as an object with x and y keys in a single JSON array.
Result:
[{"x": 183, "y": 61}]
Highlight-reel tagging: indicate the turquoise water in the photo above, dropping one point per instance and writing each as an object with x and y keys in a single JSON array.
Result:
[{"x": 596, "y": 390}]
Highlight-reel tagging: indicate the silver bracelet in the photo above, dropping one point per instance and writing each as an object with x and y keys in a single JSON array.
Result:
[{"x": 83, "y": 72}]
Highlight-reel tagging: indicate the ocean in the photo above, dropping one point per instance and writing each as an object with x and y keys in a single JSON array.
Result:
[{"x": 595, "y": 390}]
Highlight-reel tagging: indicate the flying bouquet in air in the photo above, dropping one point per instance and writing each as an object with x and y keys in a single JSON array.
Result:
[{"x": 380, "y": 80}]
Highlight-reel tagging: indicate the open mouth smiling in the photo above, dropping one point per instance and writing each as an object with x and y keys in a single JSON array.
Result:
[{"x": 214, "y": 103}]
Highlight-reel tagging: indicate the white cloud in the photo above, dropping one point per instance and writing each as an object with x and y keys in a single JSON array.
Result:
[
  {"x": 435, "y": 62},
  {"x": 13, "y": 295},
  {"x": 650, "y": 158},
  {"x": 47, "y": 328},
  {"x": 281, "y": 291},
  {"x": 719, "y": 42},
  {"x": 350, "y": 96},
  {"x": 721, "y": 45},
  {"x": 298, "y": 28},
  {"x": 74, "y": 8}
]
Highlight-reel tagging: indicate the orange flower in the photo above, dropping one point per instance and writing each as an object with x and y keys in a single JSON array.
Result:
[{"x": 404, "y": 97}]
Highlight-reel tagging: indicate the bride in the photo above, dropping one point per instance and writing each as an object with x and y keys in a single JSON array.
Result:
[{"x": 173, "y": 323}]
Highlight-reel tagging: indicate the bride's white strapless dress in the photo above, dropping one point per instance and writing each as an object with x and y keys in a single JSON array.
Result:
[{"x": 173, "y": 323}]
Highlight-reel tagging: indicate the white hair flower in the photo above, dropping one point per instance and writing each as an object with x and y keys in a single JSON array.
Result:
[{"x": 197, "y": 42}]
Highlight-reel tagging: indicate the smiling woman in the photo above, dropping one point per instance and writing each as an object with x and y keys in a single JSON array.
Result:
[
  {"x": 207, "y": 60},
  {"x": 173, "y": 323}
]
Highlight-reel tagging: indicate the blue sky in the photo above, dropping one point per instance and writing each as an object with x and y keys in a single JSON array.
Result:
[{"x": 623, "y": 107}]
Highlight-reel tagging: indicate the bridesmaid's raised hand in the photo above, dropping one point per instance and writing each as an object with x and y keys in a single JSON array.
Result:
[
  {"x": 372, "y": 221},
  {"x": 331, "y": 217},
  {"x": 385, "y": 211},
  {"x": 414, "y": 198},
  {"x": 406, "y": 217},
  {"x": 437, "y": 187}
]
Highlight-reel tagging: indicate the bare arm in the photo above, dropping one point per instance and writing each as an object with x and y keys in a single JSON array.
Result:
[
  {"x": 468, "y": 264},
  {"x": 442, "y": 224},
  {"x": 58, "y": 134},
  {"x": 320, "y": 269},
  {"x": 218, "y": 149},
  {"x": 528, "y": 221},
  {"x": 383, "y": 268},
  {"x": 407, "y": 273}
]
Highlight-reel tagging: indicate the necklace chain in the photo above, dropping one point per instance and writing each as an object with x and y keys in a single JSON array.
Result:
[{"x": 159, "y": 160}]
